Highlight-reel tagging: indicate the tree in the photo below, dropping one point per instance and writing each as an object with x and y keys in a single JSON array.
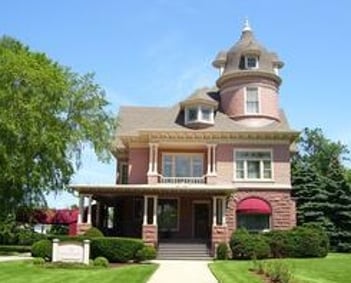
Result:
[
  {"x": 48, "y": 113},
  {"x": 321, "y": 188}
]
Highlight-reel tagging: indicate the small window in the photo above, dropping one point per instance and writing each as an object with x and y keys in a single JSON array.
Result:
[
  {"x": 252, "y": 101},
  {"x": 124, "y": 173},
  {"x": 251, "y": 62},
  {"x": 192, "y": 114},
  {"x": 199, "y": 114},
  {"x": 206, "y": 113}
]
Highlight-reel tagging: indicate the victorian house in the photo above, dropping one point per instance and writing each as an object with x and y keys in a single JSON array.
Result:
[{"x": 198, "y": 170}]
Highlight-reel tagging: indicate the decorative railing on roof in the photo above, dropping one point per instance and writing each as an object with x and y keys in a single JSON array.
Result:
[{"x": 182, "y": 180}]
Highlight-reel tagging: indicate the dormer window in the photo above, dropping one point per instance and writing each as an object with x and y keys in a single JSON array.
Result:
[
  {"x": 252, "y": 101},
  {"x": 251, "y": 62},
  {"x": 199, "y": 114}
]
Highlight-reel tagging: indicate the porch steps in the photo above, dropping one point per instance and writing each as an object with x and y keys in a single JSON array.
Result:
[{"x": 183, "y": 251}]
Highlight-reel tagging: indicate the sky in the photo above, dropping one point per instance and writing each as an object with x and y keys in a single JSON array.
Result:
[{"x": 157, "y": 52}]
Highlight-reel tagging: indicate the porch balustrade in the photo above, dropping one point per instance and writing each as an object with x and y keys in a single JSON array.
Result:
[{"x": 182, "y": 180}]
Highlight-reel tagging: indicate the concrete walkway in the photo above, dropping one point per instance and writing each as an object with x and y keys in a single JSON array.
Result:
[
  {"x": 182, "y": 271},
  {"x": 15, "y": 257}
]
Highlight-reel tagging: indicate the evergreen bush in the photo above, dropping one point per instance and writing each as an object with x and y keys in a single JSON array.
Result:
[
  {"x": 93, "y": 232},
  {"x": 222, "y": 251},
  {"x": 42, "y": 248},
  {"x": 101, "y": 261},
  {"x": 145, "y": 253}
]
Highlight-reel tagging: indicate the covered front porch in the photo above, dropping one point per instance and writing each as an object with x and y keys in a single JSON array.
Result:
[{"x": 157, "y": 215}]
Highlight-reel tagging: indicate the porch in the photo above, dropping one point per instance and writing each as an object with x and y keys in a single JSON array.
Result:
[{"x": 159, "y": 215}]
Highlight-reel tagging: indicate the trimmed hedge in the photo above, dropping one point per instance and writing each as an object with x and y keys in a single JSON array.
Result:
[
  {"x": 116, "y": 249},
  {"x": 43, "y": 249},
  {"x": 300, "y": 242},
  {"x": 222, "y": 251},
  {"x": 145, "y": 253},
  {"x": 93, "y": 232},
  {"x": 15, "y": 249}
]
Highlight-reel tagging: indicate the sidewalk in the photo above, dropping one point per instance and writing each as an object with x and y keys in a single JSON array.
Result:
[
  {"x": 14, "y": 257},
  {"x": 182, "y": 271}
]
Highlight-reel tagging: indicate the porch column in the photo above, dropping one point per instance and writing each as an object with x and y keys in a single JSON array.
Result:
[
  {"x": 214, "y": 170},
  {"x": 150, "y": 158},
  {"x": 155, "y": 158},
  {"x": 81, "y": 209},
  {"x": 214, "y": 220},
  {"x": 145, "y": 211},
  {"x": 89, "y": 210},
  {"x": 155, "y": 211},
  {"x": 208, "y": 159}
]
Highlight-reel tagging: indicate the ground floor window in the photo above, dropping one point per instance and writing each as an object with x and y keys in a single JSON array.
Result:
[
  {"x": 167, "y": 214},
  {"x": 254, "y": 222}
]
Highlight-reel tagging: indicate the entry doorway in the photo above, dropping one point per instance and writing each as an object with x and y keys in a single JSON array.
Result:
[{"x": 201, "y": 223}]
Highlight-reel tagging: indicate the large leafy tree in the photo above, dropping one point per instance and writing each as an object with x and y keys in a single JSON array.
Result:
[
  {"x": 321, "y": 186},
  {"x": 48, "y": 113}
]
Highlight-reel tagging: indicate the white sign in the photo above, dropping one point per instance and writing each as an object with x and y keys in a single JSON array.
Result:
[{"x": 71, "y": 251}]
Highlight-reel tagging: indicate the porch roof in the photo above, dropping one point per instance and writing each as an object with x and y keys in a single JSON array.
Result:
[{"x": 132, "y": 189}]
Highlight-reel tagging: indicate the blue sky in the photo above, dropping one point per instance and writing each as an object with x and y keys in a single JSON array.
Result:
[{"x": 157, "y": 52}]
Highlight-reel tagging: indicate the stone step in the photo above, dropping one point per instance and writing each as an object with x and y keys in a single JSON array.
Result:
[{"x": 190, "y": 251}]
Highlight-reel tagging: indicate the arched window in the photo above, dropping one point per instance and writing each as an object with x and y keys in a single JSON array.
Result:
[{"x": 254, "y": 214}]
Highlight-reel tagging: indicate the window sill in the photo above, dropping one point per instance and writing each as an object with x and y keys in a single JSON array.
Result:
[{"x": 253, "y": 181}]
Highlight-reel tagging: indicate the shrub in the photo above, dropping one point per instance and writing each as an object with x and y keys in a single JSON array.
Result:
[
  {"x": 115, "y": 249},
  {"x": 222, "y": 251},
  {"x": 38, "y": 261},
  {"x": 246, "y": 246},
  {"x": 278, "y": 272},
  {"x": 14, "y": 249},
  {"x": 26, "y": 236},
  {"x": 101, "y": 261},
  {"x": 93, "y": 232},
  {"x": 279, "y": 243},
  {"x": 42, "y": 248},
  {"x": 308, "y": 241},
  {"x": 145, "y": 253}
]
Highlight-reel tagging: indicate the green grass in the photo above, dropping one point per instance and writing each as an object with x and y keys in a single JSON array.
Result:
[
  {"x": 335, "y": 268},
  {"x": 26, "y": 272}
]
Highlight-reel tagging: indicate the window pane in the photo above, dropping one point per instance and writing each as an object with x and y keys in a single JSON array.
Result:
[
  {"x": 251, "y": 61},
  {"x": 206, "y": 113},
  {"x": 240, "y": 169},
  {"x": 252, "y": 105},
  {"x": 219, "y": 211},
  {"x": 167, "y": 166},
  {"x": 267, "y": 170},
  {"x": 253, "y": 222},
  {"x": 182, "y": 166},
  {"x": 253, "y": 169},
  {"x": 192, "y": 114}
]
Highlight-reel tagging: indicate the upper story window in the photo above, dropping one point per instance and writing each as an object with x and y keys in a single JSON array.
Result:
[
  {"x": 182, "y": 165},
  {"x": 251, "y": 62},
  {"x": 253, "y": 164},
  {"x": 123, "y": 173},
  {"x": 199, "y": 114},
  {"x": 252, "y": 103}
]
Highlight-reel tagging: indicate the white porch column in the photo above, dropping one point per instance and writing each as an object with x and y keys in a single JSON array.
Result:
[
  {"x": 156, "y": 158},
  {"x": 145, "y": 211},
  {"x": 89, "y": 210},
  {"x": 214, "y": 169},
  {"x": 81, "y": 209},
  {"x": 150, "y": 158},
  {"x": 154, "y": 220},
  {"x": 223, "y": 210},
  {"x": 214, "y": 211},
  {"x": 208, "y": 159}
]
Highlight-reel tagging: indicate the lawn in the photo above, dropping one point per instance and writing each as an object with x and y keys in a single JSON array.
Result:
[
  {"x": 26, "y": 272},
  {"x": 335, "y": 268}
]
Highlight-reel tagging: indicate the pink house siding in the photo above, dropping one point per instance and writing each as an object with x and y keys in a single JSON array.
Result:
[
  {"x": 138, "y": 165},
  {"x": 225, "y": 162}
]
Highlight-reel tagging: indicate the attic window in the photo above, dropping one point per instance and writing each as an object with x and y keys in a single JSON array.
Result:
[
  {"x": 199, "y": 114},
  {"x": 251, "y": 62}
]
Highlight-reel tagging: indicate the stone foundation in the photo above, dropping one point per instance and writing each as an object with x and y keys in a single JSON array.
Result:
[
  {"x": 219, "y": 235},
  {"x": 150, "y": 235}
]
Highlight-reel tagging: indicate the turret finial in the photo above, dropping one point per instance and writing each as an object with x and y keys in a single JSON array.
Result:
[{"x": 247, "y": 26}]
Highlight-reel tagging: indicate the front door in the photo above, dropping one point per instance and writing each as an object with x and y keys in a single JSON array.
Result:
[{"x": 201, "y": 220}]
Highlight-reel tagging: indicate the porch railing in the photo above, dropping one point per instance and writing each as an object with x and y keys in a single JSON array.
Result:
[{"x": 182, "y": 180}]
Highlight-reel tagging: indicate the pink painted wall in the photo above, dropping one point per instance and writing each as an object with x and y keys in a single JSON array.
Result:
[
  {"x": 233, "y": 98},
  {"x": 225, "y": 162},
  {"x": 138, "y": 165}
]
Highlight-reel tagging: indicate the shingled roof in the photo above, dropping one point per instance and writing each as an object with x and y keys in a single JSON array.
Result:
[{"x": 134, "y": 119}]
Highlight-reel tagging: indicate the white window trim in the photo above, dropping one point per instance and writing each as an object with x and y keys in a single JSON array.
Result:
[
  {"x": 202, "y": 155},
  {"x": 245, "y": 179},
  {"x": 199, "y": 114},
  {"x": 247, "y": 59},
  {"x": 258, "y": 97},
  {"x": 178, "y": 212}
]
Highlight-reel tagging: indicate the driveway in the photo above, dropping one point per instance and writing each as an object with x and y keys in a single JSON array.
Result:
[{"x": 182, "y": 271}]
